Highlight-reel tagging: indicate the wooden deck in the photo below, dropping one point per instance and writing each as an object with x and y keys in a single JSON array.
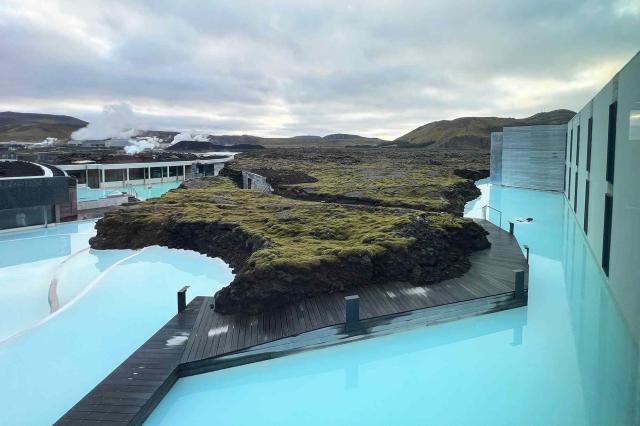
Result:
[{"x": 200, "y": 340}]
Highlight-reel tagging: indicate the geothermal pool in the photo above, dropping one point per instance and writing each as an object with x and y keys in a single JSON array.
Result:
[
  {"x": 69, "y": 315},
  {"x": 565, "y": 359},
  {"x": 144, "y": 192}
]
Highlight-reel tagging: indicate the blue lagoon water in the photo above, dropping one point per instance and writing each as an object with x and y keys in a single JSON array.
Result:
[
  {"x": 144, "y": 192},
  {"x": 565, "y": 359},
  {"x": 69, "y": 315}
]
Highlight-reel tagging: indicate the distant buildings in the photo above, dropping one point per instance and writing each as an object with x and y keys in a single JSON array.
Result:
[
  {"x": 103, "y": 143},
  {"x": 118, "y": 175}
]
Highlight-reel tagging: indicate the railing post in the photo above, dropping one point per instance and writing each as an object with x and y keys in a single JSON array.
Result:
[
  {"x": 526, "y": 249},
  {"x": 484, "y": 212},
  {"x": 519, "y": 284},
  {"x": 182, "y": 298},
  {"x": 352, "y": 309},
  {"x": 511, "y": 227}
]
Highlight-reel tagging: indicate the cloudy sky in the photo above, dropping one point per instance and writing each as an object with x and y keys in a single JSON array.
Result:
[{"x": 281, "y": 68}]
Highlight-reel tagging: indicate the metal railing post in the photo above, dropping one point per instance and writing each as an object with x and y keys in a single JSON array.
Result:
[
  {"x": 519, "y": 284},
  {"x": 352, "y": 311},
  {"x": 182, "y": 298},
  {"x": 526, "y": 249}
]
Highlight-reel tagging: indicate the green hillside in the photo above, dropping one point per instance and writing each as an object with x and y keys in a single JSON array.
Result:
[
  {"x": 27, "y": 127},
  {"x": 474, "y": 132}
]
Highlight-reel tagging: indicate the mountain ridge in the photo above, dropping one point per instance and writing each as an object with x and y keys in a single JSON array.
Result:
[{"x": 475, "y": 132}]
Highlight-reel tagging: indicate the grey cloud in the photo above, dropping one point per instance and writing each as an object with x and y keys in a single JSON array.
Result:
[{"x": 282, "y": 68}]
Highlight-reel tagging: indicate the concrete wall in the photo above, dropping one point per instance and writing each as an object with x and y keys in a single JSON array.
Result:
[
  {"x": 117, "y": 200},
  {"x": 624, "y": 261},
  {"x": 256, "y": 182},
  {"x": 496, "y": 158},
  {"x": 531, "y": 157}
]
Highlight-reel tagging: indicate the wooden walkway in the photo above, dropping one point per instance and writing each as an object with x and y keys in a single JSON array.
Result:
[{"x": 200, "y": 340}]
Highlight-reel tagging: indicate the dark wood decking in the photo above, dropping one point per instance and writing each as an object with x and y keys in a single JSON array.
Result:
[
  {"x": 200, "y": 339},
  {"x": 131, "y": 391}
]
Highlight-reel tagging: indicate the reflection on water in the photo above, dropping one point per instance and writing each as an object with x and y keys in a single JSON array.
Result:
[{"x": 567, "y": 358}]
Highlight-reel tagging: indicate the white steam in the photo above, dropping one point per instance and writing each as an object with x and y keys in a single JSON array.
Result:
[
  {"x": 141, "y": 144},
  {"x": 116, "y": 121},
  {"x": 46, "y": 142},
  {"x": 187, "y": 136}
]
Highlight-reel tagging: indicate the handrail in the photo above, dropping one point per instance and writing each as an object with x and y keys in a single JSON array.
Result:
[
  {"x": 484, "y": 209},
  {"x": 132, "y": 191}
]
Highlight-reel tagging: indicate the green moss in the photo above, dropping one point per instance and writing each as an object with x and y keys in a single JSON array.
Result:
[
  {"x": 300, "y": 233},
  {"x": 405, "y": 178}
]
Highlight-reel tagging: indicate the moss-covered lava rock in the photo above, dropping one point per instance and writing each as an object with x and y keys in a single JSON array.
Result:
[
  {"x": 284, "y": 249},
  {"x": 412, "y": 178}
]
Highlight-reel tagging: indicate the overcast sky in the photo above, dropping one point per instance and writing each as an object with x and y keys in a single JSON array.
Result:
[{"x": 376, "y": 68}]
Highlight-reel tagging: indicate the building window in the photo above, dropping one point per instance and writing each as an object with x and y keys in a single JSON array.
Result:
[
  {"x": 589, "y": 141},
  {"x": 578, "y": 146},
  {"x": 611, "y": 142},
  {"x": 115, "y": 175},
  {"x": 156, "y": 172},
  {"x": 575, "y": 193},
  {"x": 606, "y": 237},
  {"x": 566, "y": 147},
  {"x": 569, "y": 179},
  {"x": 585, "y": 223},
  {"x": 634, "y": 125},
  {"x": 571, "y": 148}
]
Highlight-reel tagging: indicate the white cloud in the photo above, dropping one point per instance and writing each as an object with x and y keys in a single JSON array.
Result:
[{"x": 379, "y": 68}]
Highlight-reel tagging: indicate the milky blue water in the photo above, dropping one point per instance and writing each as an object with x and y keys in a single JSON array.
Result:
[
  {"x": 144, "y": 192},
  {"x": 565, "y": 359},
  {"x": 108, "y": 303}
]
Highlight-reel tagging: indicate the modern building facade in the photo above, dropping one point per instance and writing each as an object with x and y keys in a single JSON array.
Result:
[
  {"x": 33, "y": 194},
  {"x": 529, "y": 157},
  {"x": 119, "y": 175},
  {"x": 602, "y": 183}
]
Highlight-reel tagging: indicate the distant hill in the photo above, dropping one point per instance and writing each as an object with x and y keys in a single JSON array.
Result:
[
  {"x": 28, "y": 127},
  {"x": 474, "y": 132},
  {"x": 333, "y": 140}
]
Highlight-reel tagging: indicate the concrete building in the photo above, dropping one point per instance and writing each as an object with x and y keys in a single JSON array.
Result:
[
  {"x": 33, "y": 194},
  {"x": 101, "y": 143},
  {"x": 602, "y": 183},
  {"x": 118, "y": 175},
  {"x": 529, "y": 157}
]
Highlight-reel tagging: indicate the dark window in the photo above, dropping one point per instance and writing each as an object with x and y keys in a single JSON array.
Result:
[
  {"x": 569, "y": 179},
  {"x": 571, "y": 147},
  {"x": 566, "y": 146},
  {"x": 586, "y": 208},
  {"x": 589, "y": 141},
  {"x": 575, "y": 193},
  {"x": 578, "y": 146},
  {"x": 611, "y": 143},
  {"x": 606, "y": 238}
]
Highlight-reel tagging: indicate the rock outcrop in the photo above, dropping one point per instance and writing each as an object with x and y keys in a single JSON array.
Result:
[{"x": 284, "y": 250}]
